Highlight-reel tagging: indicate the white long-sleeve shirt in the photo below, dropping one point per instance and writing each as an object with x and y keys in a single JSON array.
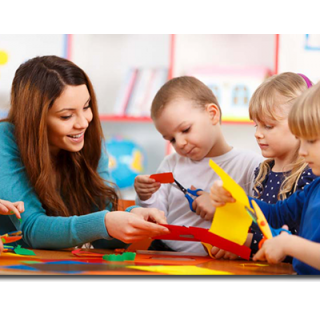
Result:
[{"x": 239, "y": 164}]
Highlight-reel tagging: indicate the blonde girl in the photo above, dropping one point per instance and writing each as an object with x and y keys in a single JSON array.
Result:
[
  {"x": 269, "y": 109},
  {"x": 284, "y": 171}
]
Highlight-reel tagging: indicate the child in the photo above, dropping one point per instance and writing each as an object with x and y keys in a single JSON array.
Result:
[
  {"x": 7, "y": 208},
  {"x": 302, "y": 207},
  {"x": 186, "y": 113},
  {"x": 284, "y": 171}
]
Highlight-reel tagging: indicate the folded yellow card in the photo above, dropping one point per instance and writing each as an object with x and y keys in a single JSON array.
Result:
[{"x": 231, "y": 221}]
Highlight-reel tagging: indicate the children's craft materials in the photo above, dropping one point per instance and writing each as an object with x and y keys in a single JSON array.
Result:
[
  {"x": 23, "y": 251},
  {"x": 180, "y": 233},
  {"x": 126, "y": 256},
  {"x": 259, "y": 218},
  {"x": 180, "y": 270},
  {"x": 166, "y": 177},
  {"x": 11, "y": 237},
  {"x": 231, "y": 221},
  {"x": 187, "y": 193}
]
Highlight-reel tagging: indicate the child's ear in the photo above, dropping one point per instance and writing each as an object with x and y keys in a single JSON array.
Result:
[{"x": 214, "y": 113}]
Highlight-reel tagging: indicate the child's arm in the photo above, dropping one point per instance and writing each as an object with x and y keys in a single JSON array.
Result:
[
  {"x": 277, "y": 248},
  {"x": 283, "y": 212}
]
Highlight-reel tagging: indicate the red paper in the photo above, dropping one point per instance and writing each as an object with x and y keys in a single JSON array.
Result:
[
  {"x": 166, "y": 177},
  {"x": 180, "y": 233}
]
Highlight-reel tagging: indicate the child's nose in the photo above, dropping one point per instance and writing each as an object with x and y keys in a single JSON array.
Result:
[
  {"x": 258, "y": 134},
  {"x": 181, "y": 142},
  {"x": 302, "y": 151}
]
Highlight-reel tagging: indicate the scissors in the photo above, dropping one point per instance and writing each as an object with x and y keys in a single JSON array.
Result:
[
  {"x": 259, "y": 218},
  {"x": 187, "y": 193}
]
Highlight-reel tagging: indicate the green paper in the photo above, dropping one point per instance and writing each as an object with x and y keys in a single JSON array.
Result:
[
  {"x": 31, "y": 262},
  {"x": 23, "y": 251},
  {"x": 3, "y": 240},
  {"x": 126, "y": 256}
]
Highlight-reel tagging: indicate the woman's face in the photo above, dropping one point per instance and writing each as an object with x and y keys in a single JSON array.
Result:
[{"x": 68, "y": 119}]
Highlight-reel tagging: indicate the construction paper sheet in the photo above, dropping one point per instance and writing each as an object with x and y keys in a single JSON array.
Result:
[
  {"x": 231, "y": 221},
  {"x": 180, "y": 270},
  {"x": 165, "y": 177},
  {"x": 206, "y": 237}
]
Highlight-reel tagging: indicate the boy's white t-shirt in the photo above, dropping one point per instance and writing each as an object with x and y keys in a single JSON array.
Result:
[{"x": 239, "y": 164}]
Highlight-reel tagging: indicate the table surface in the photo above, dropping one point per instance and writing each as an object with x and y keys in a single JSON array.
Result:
[{"x": 11, "y": 264}]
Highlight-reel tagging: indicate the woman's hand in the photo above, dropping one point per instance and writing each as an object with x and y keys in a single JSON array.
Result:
[
  {"x": 9, "y": 208},
  {"x": 140, "y": 223}
]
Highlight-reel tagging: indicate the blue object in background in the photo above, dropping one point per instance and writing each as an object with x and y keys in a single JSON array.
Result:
[
  {"x": 3, "y": 114},
  {"x": 126, "y": 161}
]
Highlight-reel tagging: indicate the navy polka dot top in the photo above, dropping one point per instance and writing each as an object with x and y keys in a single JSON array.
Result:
[{"x": 269, "y": 194}]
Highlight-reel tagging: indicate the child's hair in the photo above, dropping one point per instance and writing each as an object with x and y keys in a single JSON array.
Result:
[
  {"x": 185, "y": 87},
  {"x": 264, "y": 105},
  {"x": 72, "y": 185},
  {"x": 304, "y": 117}
]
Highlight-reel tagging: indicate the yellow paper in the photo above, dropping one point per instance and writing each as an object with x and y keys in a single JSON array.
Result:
[
  {"x": 231, "y": 221},
  {"x": 180, "y": 270}
]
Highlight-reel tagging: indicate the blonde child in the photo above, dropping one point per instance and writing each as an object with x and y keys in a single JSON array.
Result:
[
  {"x": 284, "y": 172},
  {"x": 302, "y": 207},
  {"x": 8, "y": 208},
  {"x": 186, "y": 113}
]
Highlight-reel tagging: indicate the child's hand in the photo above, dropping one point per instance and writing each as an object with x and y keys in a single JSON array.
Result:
[
  {"x": 273, "y": 250},
  {"x": 222, "y": 254},
  {"x": 1, "y": 247},
  {"x": 202, "y": 205},
  {"x": 145, "y": 187},
  {"x": 219, "y": 195},
  {"x": 8, "y": 208}
]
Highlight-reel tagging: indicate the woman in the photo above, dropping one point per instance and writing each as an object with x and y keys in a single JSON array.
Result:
[{"x": 53, "y": 159}]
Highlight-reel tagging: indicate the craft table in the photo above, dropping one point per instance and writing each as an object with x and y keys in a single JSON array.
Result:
[{"x": 48, "y": 262}]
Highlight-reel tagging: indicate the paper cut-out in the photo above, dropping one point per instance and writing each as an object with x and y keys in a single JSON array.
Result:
[
  {"x": 166, "y": 177},
  {"x": 231, "y": 221},
  {"x": 23, "y": 251},
  {"x": 11, "y": 237},
  {"x": 206, "y": 237},
  {"x": 126, "y": 256}
]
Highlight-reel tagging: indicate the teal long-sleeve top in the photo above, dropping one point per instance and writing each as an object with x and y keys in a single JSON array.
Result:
[{"x": 39, "y": 230}]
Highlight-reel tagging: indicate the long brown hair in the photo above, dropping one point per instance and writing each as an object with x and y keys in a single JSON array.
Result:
[{"x": 69, "y": 185}]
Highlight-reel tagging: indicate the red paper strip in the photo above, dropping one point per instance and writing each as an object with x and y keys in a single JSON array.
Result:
[
  {"x": 82, "y": 253},
  {"x": 180, "y": 233},
  {"x": 166, "y": 177}
]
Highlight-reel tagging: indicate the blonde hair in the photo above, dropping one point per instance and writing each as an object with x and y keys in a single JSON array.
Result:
[
  {"x": 185, "y": 87},
  {"x": 304, "y": 117},
  {"x": 279, "y": 89}
]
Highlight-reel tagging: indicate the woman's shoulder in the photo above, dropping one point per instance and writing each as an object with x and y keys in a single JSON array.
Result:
[
  {"x": 6, "y": 131},
  {"x": 5, "y": 125},
  {"x": 8, "y": 144}
]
